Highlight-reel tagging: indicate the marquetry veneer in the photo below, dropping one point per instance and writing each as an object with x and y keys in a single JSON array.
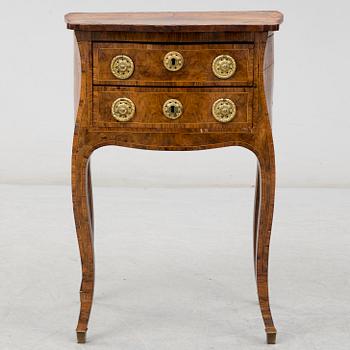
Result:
[{"x": 173, "y": 81}]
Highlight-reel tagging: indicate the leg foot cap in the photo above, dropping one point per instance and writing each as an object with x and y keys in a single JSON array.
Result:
[
  {"x": 271, "y": 338},
  {"x": 81, "y": 337}
]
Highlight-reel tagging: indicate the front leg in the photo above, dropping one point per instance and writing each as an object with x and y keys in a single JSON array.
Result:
[
  {"x": 82, "y": 199},
  {"x": 263, "y": 228}
]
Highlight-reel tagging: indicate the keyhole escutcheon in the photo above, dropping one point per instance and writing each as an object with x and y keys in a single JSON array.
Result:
[{"x": 173, "y": 61}]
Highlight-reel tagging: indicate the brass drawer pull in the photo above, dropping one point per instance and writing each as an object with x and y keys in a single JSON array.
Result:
[
  {"x": 173, "y": 61},
  {"x": 122, "y": 66},
  {"x": 224, "y": 66},
  {"x": 123, "y": 109},
  {"x": 172, "y": 109},
  {"x": 224, "y": 110}
]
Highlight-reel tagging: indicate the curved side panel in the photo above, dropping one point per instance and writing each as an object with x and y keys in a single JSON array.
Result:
[
  {"x": 82, "y": 72},
  {"x": 263, "y": 90},
  {"x": 268, "y": 73},
  {"x": 77, "y": 76}
]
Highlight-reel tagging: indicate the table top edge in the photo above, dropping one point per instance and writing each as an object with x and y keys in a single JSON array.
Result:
[{"x": 214, "y": 21}]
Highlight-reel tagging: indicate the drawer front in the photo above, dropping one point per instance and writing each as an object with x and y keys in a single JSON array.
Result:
[
  {"x": 193, "y": 65},
  {"x": 149, "y": 108}
]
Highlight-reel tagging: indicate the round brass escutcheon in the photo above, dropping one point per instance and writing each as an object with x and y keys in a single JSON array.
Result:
[
  {"x": 122, "y": 66},
  {"x": 123, "y": 109},
  {"x": 172, "y": 109},
  {"x": 173, "y": 61},
  {"x": 224, "y": 66},
  {"x": 224, "y": 110}
]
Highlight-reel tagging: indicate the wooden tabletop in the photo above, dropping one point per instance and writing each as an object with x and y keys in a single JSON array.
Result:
[{"x": 230, "y": 21}]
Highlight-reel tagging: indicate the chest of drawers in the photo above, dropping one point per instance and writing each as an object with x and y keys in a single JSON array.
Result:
[{"x": 173, "y": 81}]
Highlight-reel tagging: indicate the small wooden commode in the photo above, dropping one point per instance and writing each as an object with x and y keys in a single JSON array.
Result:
[{"x": 173, "y": 82}]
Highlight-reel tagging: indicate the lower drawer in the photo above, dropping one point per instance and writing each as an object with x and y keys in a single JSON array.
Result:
[{"x": 159, "y": 109}]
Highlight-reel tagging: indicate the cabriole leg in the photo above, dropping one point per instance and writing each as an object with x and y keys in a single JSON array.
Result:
[
  {"x": 82, "y": 206},
  {"x": 263, "y": 229}
]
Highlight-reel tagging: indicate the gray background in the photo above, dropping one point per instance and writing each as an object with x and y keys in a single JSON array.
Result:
[{"x": 174, "y": 265}]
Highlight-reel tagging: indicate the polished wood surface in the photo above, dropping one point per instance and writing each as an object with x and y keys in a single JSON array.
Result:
[
  {"x": 196, "y": 71},
  {"x": 250, "y": 21},
  {"x": 194, "y": 130},
  {"x": 197, "y": 109},
  {"x": 169, "y": 37}
]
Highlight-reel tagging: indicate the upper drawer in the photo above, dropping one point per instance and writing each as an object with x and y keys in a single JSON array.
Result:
[{"x": 173, "y": 65}]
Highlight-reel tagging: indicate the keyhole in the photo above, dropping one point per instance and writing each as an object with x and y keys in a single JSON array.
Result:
[
  {"x": 172, "y": 109},
  {"x": 173, "y": 61}
]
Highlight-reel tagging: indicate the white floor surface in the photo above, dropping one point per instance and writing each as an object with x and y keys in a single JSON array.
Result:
[{"x": 174, "y": 270}]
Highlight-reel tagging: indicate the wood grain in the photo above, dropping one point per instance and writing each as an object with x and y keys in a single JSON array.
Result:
[
  {"x": 173, "y": 37},
  {"x": 197, "y": 109},
  {"x": 249, "y": 21},
  {"x": 81, "y": 185},
  {"x": 194, "y": 130},
  {"x": 149, "y": 68}
]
